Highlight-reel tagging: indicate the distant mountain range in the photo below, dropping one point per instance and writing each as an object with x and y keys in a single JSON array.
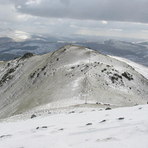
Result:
[{"x": 10, "y": 49}]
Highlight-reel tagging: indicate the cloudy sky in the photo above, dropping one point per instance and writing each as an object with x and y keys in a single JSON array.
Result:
[{"x": 114, "y": 18}]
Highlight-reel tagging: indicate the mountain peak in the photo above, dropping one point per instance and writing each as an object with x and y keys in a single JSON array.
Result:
[{"x": 72, "y": 75}]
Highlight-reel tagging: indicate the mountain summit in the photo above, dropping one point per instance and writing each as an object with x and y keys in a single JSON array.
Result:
[{"x": 72, "y": 75}]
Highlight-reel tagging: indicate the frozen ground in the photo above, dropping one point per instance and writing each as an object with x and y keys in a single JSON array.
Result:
[{"x": 82, "y": 128}]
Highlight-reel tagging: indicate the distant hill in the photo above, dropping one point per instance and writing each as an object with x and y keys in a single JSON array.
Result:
[{"x": 10, "y": 49}]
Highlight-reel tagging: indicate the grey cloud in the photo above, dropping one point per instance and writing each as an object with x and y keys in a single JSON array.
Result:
[
  {"x": 114, "y": 10},
  {"x": 7, "y": 2},
  {"x": 2, "y": 2},
  {"x": 79, "y": 17},
  {"x": 66, "y": 2}
]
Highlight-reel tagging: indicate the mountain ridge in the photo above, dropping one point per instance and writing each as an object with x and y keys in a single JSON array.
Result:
[{"x": 69, "y": 76}]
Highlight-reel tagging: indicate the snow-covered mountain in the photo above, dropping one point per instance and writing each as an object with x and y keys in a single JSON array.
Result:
[{"x": 70, "y": 76}]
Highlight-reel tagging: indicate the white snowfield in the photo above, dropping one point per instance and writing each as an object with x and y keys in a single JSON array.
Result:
[
  {"x": 79, "y": 128},
  {"x": 69, "y": 76}
]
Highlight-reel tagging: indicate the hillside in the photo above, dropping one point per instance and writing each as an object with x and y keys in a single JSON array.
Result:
[{"x": 67, "y": 77}]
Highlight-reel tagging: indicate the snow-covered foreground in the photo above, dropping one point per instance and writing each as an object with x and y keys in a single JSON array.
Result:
[{"x": 92, "y": 128}]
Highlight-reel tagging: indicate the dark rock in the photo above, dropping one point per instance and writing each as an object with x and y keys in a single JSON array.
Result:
[
  {"x": 113, "y": 79},
  {"x": 7, "y": 76},
  {"x": 42, "y": 69},
  {"x": 33, "y": 116},
  {"x": 104, "y": 70},
  {"x": 8, "y": 64},
  {"x": 127, "y": 76},
  {"x": 102, "y": 121},
  {"x": 3, "y": 136},
  {"x": 38, "y": 75},
  {"x": 27, "y": 55},
  {"x": 108, "y": 66},
  {"x": 32, "y": 75},
  {"x": 107, "y": 104},
  {"x": 117, "y": 75},
  {"x": 89, "y": 124},
  {"x": 44, "y": 127},
  {"x": 108, "y": 108},
  {"x": 121, "y": 118},
  {"x": 71, "y": 112},
  {"x": 61, "y": 129}
]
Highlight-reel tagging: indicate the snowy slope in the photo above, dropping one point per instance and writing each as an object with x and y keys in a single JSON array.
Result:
[
  {"x": 139, "y": 68},
  {"x": 67, "y": 77},
  {"x": 93, "y": 128}
]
